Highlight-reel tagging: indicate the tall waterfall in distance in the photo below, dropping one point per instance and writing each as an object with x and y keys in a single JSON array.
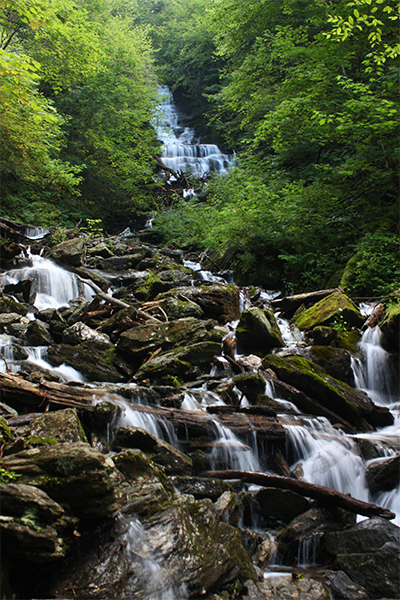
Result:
[{"x": 182, "y": 151}]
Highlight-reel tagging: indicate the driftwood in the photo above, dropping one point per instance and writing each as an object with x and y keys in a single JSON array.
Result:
[
  {"x": 374, "y": 317},
  {"x": 321, "y": 493},
  {"x": 289, "y": 304},
  {"x": 307, "y": 404}
]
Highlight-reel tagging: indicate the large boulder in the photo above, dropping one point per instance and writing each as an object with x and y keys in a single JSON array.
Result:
[
  {"x": 335, "y": 361},
  {"x": 74, "y": 474},
  {"x": 335, "y": 395},
  {"x": 38, "y": 334},
  {"x": 70, "y": 252},
  {"x": 283, "y": 505},
  {"x": 217, "y": 301},
  {"x": 183, "y": 551},
  {"x": 171, "y": 459},
  {"x": 32, "y": 525},
  {"x": 142, "y": 341},
  {"x": 146, "y": 488},
  {"x": 179, "y": 363},
  {"x": 91, "y": 358},
  {"x": 258, "y": 331},
  {"x": 384, "y": 474},
  {"x": 251, "y": 385},
  {"x": 302, "y": 536},
  {"x": 335, "y": 308},
  {"x": 369, "y": 552},
  {"x": 62, "y": 425}
]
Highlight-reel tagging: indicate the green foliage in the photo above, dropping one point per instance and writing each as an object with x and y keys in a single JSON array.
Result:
[
  {"x": 377, "y": 265},
  {"x": 94, "y": 227},
  {"x": 8, "y": 476}
]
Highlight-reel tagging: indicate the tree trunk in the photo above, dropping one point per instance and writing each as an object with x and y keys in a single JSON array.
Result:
[{"x": 321, "y": 493}]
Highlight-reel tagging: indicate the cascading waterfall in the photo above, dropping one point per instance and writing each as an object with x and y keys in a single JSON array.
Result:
[
  {"x": 55, "y": 286},
  {"x": 230, "y": 453},
  {"x": 182, "y": 151}
]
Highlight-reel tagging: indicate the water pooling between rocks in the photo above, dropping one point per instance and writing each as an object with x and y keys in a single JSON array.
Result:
[{"x": 135, "y": 449}]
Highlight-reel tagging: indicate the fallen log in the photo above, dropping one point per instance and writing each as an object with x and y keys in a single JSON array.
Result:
[{"x": 321, "y": 493}]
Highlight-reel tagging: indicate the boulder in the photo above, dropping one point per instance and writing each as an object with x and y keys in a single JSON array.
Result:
[
  {"x": 251, "y": 385},
  {"x": 181, "y": 551},
  {"x": 146, "y": 488},
  {"x": 335, "y": 361},
  {"x": 92, "y": 359},
  {"x": 217, "y": 301},
  {"x": 9, "y": 305},
  {"x": 335, "y": 308},
  {"x": 74, "y": 474},
  {"x": 200, "y": 487},
  {"x": 61, "y": 425},
  {"x": 179, "y": 307},
  {"x": 369, "y": 552},
  {"x": 32, "y": 525},
  {"x": 342, "y": 587},
  {"x": 53, "y": 318},
  {"x": 38, "y": 334},
  {"x": 283, "y": 505},
  {"x": 302, "y": 536},
  {"x": 70, "y": 252},
  {"x": 171, "y": 459},
  {"x": 25, "y": 290},
  {"x": 258, "y": 331},
  {"x": 142, "y": 341},
  {"x": 384, "y": 474},
  {"x": 79, "y": 332},
  {"x": 180, "y": 362},
  {"x": 352, "y": 405}
]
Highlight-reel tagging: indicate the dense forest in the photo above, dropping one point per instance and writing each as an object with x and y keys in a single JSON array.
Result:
[{"x": 304, "y": 92}]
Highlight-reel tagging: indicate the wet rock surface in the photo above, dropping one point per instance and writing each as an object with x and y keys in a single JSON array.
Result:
[{"x": 104, "y": 492}]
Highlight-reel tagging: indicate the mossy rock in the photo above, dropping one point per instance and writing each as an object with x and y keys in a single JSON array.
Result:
[
  {"x": 258, "y": 331},
  {"x": 61, "y": 425},
  {"x": 70, "y": 252},
  {"x": 92, "y": 360},
  {"x": 335, "y": 361},
  {"x": 251, "y": 384},
  {"x": 335, "y": 308},
  {"x": 9, "y": 305},
  {"x": 337, "y": 396},
  {"x": 142, "y": 341},
  {"x": 172, "y": 460},
  {"x": 73, "y": 474},
  {"x": 38, "y": 334},
  {"x": 218, "y": 301},
  {"x": 180, "y": 362}
]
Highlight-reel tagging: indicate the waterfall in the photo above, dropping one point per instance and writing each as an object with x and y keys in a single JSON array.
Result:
[
  {"x": 182, "y": 150},
  {"x": 230, "y": 453},
  {"x": 55, "y": 286}
]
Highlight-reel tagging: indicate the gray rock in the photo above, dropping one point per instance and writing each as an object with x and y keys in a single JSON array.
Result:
[
  {"x": 38, "y": 334},
  {"x": 171, "y": 459},
  {"x": 74, "y": 474},
  {"x": 79, "y": 332},
  {"x": 284, "y": 588},
  {"x": 258, "y": 331},
  {"x": 70, "y": 252},
  {"x": 383, "y": 475},
  {"x": 343, "y": 588},
  {"x": 62, "y": 425},
  {"x": 32, "y": 525}
]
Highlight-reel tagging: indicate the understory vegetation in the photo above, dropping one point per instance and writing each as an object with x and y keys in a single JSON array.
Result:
[{"x": 304, "y": 92}]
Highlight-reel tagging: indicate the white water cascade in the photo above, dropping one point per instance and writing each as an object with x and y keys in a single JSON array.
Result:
[
  {"x": 183, "y": 152},
  {"x": 55, "y": 286}
]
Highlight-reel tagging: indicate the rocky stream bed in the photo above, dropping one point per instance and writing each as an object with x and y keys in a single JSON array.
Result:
[{"x": 166, "y": 435}]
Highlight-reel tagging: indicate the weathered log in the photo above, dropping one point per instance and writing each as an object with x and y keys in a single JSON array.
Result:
[
  {"x": 16, "y": 391},
  {"x": 375, "y": 316},
  {"x": 321, "y": 493},
  {"x": 289, "y": 304},
  {"x": 307, "y": 404}
]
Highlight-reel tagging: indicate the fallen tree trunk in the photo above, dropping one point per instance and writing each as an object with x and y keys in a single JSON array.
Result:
[{"x": 321, "y": 493}]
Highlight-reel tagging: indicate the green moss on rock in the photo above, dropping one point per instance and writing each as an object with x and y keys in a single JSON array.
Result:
[{"x": 335, "y": 308}]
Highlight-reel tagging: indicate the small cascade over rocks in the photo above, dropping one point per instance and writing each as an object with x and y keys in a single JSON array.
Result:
[
  {"x": 152, "y": 452},
  {"x": 183, "y": 152}
]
